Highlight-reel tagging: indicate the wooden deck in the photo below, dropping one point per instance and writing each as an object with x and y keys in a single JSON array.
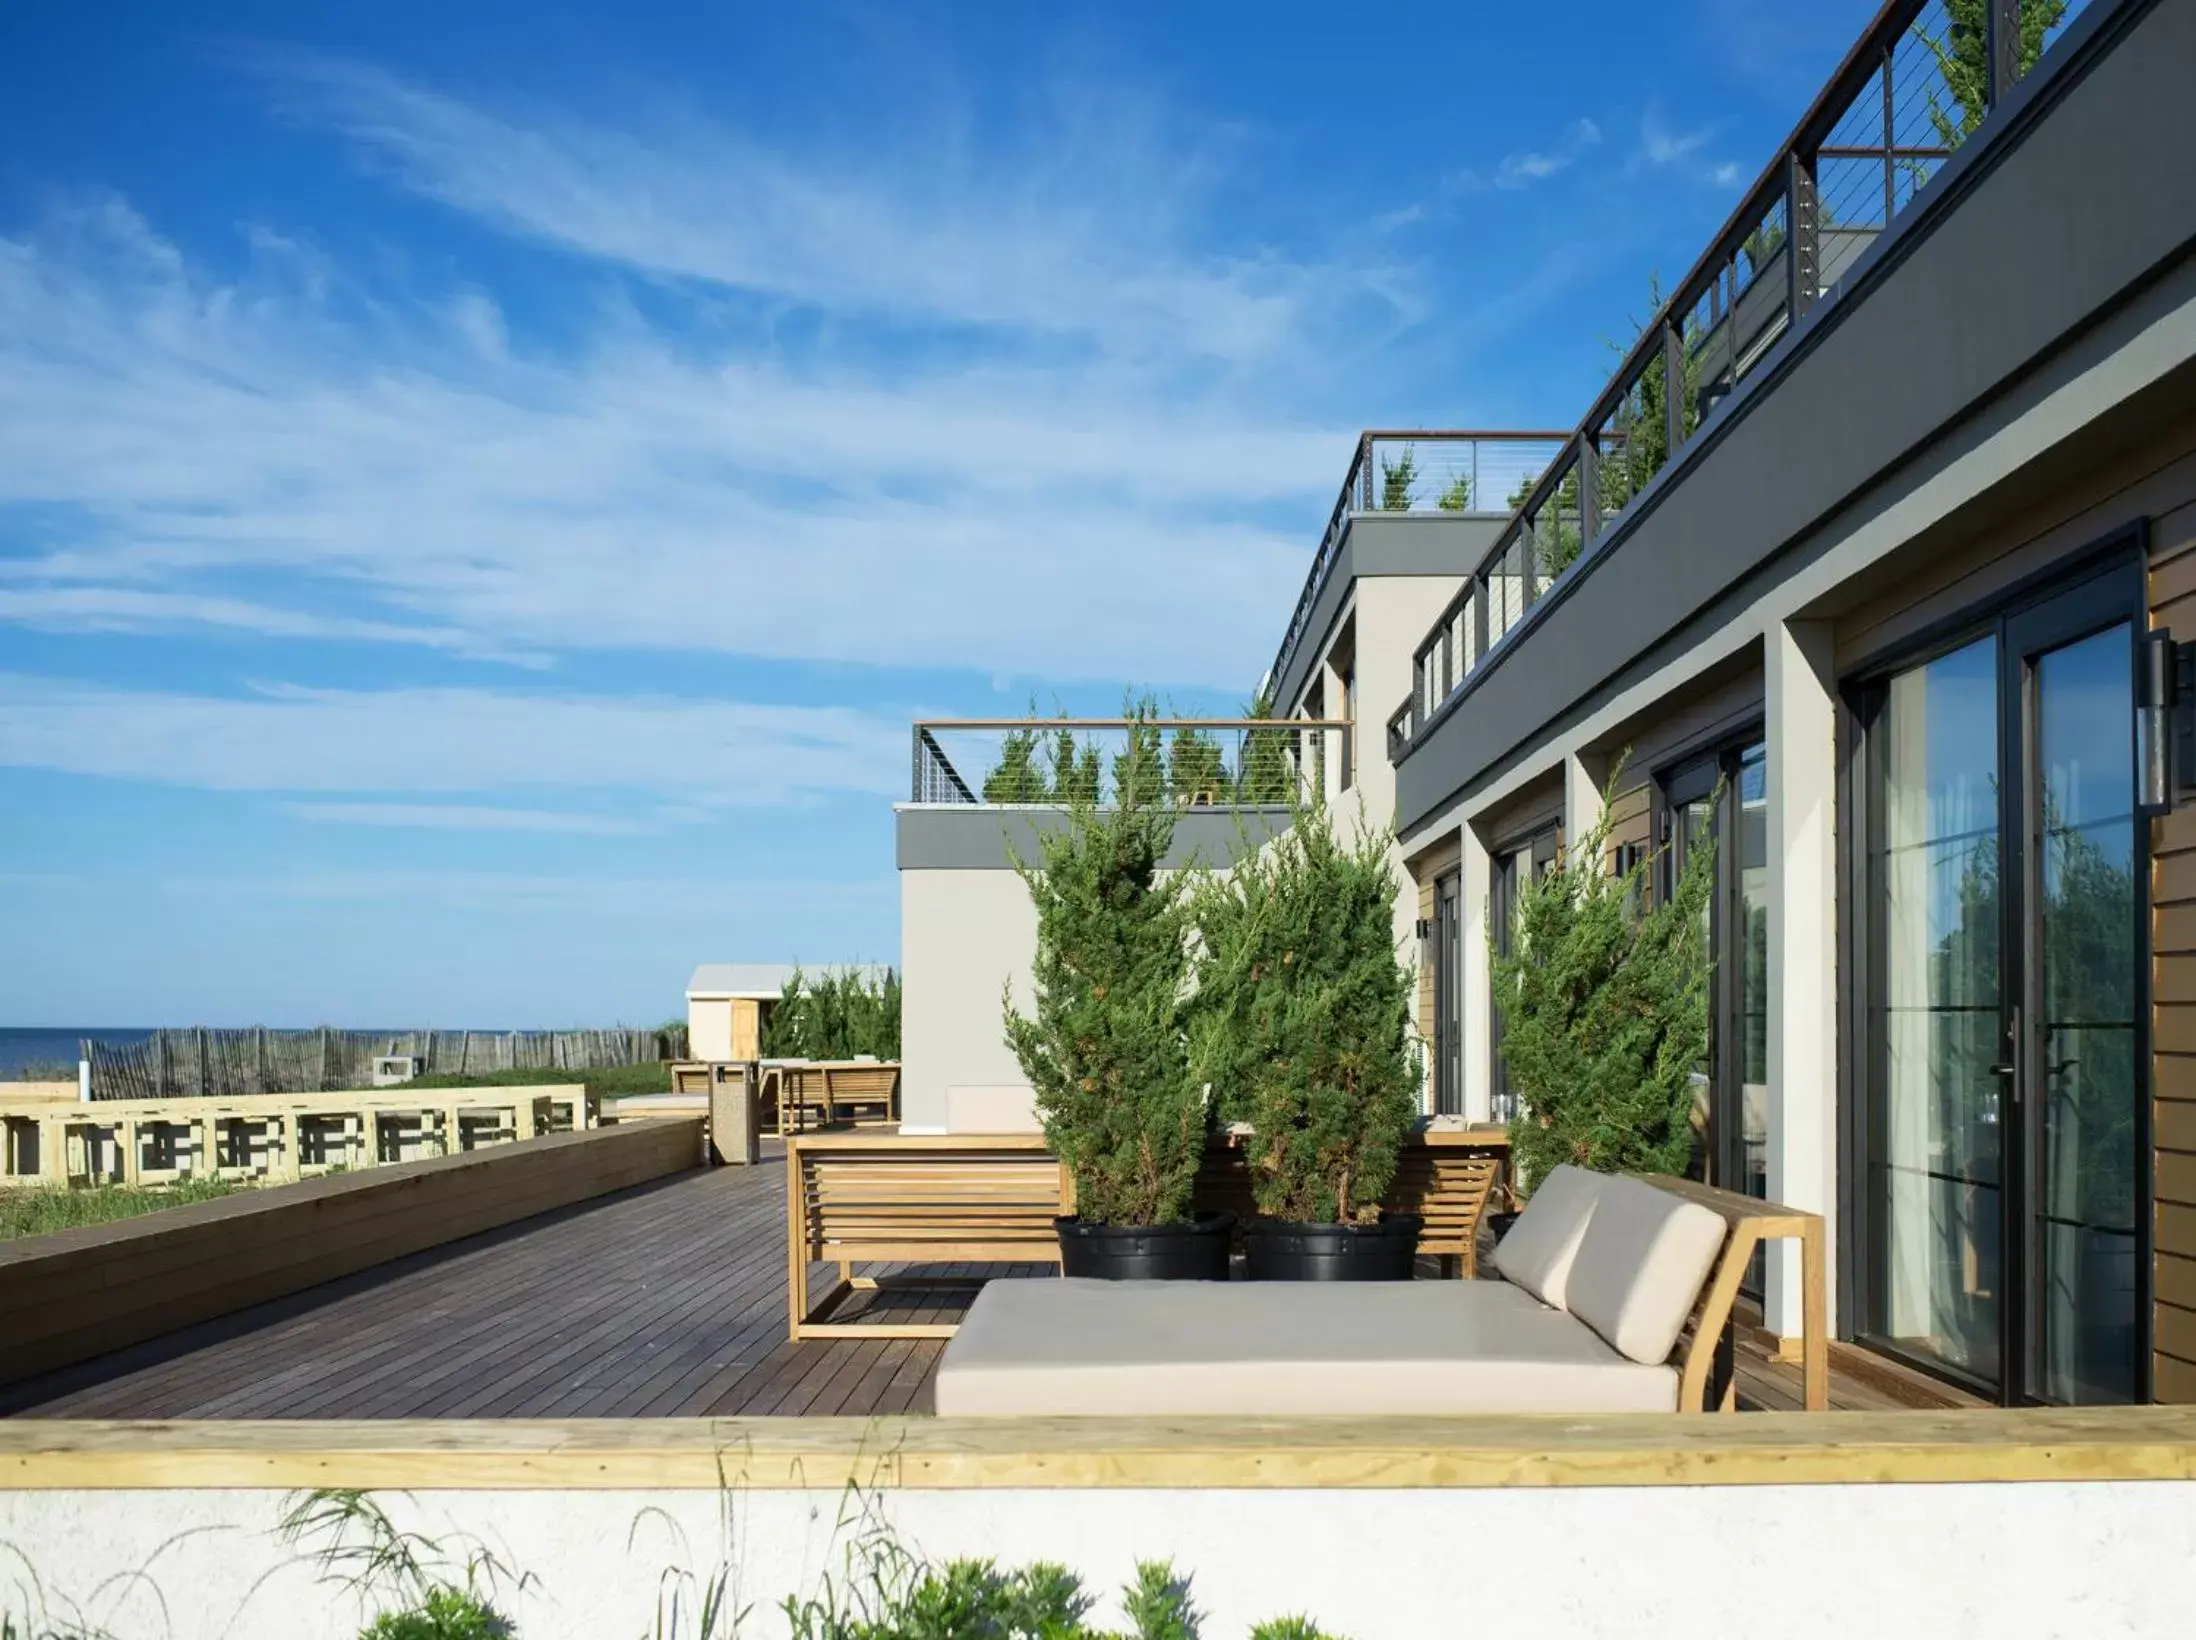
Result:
[{"x": 670, "y": 1299}]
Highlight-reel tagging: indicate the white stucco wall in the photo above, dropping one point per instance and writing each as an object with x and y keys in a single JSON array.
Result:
[
  {"x": 709, "y": 1028},
  {"x": 1828, "y": 1562},
  {"x": 964, "y": 935}
]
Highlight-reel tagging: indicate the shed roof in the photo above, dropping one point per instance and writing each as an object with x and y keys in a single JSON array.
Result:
[{"x": 766, "y": 979}]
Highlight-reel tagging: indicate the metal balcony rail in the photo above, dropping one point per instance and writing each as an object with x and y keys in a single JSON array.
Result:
[
  {"x": 1424, "y": 471},
  {"x": 1193, "y": 762},
  {"x": 1918, "y": 84}
]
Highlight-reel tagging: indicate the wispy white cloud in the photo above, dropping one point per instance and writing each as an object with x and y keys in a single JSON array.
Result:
[
  {"x": 1083, "y": 224},
  {"x": 402, "y": 470},
  {"x": 395, "y": 741},
  {"x": 466, "y": 817},
  {"x": 622, "y": 897},
  {"x": 1529, "y": 166},
  {"x": 1661, "y": 147}
]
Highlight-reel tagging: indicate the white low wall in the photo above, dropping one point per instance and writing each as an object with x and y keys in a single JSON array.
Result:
[{"x": 2005, "y": 1560}]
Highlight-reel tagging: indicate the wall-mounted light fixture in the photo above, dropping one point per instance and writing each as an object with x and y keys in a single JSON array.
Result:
[{"x": 2165, "y": 722}]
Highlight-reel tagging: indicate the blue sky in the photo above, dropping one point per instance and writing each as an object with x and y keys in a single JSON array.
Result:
[{"x": 483, "y": 488}]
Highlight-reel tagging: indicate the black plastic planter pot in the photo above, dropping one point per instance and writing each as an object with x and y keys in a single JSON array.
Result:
[
  {"x": 1147, "y": 1252},
  {"x": 1276, "y": 1250}
]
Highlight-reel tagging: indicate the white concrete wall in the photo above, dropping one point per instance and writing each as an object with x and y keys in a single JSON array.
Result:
[
  {"x": 709, "y": 1028},
  {"x": 2011, "y": 1561},
  {"x": 964, "y": 935}
]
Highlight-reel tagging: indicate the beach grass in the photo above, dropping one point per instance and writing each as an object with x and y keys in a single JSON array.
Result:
[
  {"x": 606, "y": 1081},
  {"x": 35, "y": 1210}
]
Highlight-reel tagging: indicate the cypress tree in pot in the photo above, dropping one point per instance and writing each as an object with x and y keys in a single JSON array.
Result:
[
  {"x": 1105, "y": 1047},
  {"x": 1302, "y": 1026}
]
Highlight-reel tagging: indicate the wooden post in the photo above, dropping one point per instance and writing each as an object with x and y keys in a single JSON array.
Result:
[
  {"x": 452, "y": 1138},
  {"x": 291, "y": 1125}
]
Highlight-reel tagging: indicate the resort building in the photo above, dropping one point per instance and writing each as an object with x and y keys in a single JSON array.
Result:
[
  {"x": 1866, "y": 570},
  {"x": 1874, "y": 568}
]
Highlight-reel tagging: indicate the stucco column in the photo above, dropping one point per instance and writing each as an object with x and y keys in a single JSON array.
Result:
[
  {"x": 1476, "y": 1007},
  {"x": 1802, "y": 779},
  {"x": 1583, "y": 778}
]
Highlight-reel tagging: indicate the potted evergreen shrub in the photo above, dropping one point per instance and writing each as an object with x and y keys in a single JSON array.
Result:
[
  {"x": 1302, "y": 1027},
  {"x": 1105, "y": 1047},
  {"x": 1604, "y": 1005}
]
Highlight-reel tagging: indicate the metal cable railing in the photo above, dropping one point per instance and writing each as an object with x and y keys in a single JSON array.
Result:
[
  {"x": 1193, "y": 762},
  {"x": 1920, "y": 82},
  {"x": 1423, "y": 471}
]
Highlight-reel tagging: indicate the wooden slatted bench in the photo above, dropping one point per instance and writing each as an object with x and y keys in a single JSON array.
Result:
[
  {"x": 826, "y": 1092},
  {"x": 889, "y": 1198}
]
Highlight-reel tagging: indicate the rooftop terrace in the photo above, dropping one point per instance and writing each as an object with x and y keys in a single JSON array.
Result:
[{"x": 665, "y": 1300}]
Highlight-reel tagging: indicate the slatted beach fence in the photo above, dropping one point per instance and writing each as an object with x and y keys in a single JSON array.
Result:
[{"x": 199, "y": 1062}]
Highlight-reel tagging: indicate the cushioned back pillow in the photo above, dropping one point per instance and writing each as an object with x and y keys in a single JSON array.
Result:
[
  {"x": 1537, "y": 1253},
  {"x": 1640, "y": 1267}
]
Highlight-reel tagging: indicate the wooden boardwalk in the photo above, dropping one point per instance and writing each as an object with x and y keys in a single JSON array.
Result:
[{"x": 665, "y": 1300}]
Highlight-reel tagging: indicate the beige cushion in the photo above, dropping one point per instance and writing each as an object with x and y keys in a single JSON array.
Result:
[
  {"x": 1042, "y": 1347},
  {"x": 1537, "y": 1253},
  {"x": 1641, "y": 1266}
]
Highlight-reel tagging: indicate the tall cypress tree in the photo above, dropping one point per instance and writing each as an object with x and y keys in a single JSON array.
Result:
[
  {"x": 1302, "y": 1019},
  {"x": 1105, "y": 1047}
]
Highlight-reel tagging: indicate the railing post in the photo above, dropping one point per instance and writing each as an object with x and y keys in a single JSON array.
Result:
[
  {"x": 2001, "y": 49},
  {"x": 1890, "y": 144},
  {"x": 1365, "y": 472},
  {"x": 1803, "y": 235},
  {"x": 1528, "y": 543},
  {"x": 1589, "y": 491},
  {"x": 915, "y": 763},
  {"x": 1483, "y": 586},
  {"x": 1673, "y": 387}
]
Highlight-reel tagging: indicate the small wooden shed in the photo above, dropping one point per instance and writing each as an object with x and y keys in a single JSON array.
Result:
[{"x": 726, "y": 1005}]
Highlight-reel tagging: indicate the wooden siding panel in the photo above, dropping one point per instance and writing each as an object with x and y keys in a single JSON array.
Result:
[
  {"x": 2173, "y": 878},
  {"x": 2177, "y": 1183},
  {"x": 2177, "y": 1281},
  {"x": 2175, "y": 1124},
  {"x": 2176, "y": 1334}
]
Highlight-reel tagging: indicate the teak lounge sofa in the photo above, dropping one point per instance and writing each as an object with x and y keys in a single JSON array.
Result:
[{"x": 1600, "y": 1277}]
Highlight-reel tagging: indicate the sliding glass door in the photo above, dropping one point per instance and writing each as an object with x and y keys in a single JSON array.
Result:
[{"x": 2002, "y": 975}]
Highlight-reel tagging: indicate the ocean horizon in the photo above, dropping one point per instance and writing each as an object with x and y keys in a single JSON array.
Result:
[{"x": 22, "y": 1045}]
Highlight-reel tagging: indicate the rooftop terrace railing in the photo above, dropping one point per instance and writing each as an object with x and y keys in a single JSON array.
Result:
[
  {"x": 1919, "y": 83},
  {"x": 1423, "y": 471},
  {"x": 1190, "y": 761}
]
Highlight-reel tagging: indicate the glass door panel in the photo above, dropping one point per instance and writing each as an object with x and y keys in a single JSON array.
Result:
[
  {"x": 1749, "y": 1169},
  {"x": 2082, "y": 1239},
  {"x": 1448, "y": 996},
  {"x": 1935, "y": 1156},
  {"x": 1691, "y": 798}
]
